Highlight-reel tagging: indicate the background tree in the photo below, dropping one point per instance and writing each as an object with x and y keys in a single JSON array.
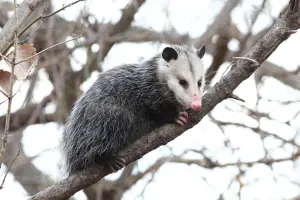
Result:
[{"x": 240, "y": 150}]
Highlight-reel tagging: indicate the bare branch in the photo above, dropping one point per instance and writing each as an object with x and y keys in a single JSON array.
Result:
[
  {"x": 3, "y": 93},
  {"x": 29, "y": 115},
  {"x": 123, "y": 24},
  {"x": 281, "y": 74},
  {"x": 10, "y": 92},
  {"x": 12, "y": 162},
  {"x": 256, "y": 130},
  {"x": 234, "y": 96},
  {"x": 75, "y": 38},
  {"x": 203, "y": 164},
  {"x": 25, "y": 9},
  {"x": 5, "y": 6},
  {"x": 43, "y": 16},
  {"x": 6, "y": 58}
]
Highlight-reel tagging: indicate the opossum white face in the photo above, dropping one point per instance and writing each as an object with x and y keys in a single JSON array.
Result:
[{"x": 182, "y": 69}]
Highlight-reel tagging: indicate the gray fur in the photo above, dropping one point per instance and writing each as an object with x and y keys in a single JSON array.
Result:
[{"x": 122, "y": 105}]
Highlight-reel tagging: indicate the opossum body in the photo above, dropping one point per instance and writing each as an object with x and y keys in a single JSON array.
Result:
[{"x": 130, "y": 101}]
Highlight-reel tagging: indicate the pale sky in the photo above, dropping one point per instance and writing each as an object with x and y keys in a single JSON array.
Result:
[{"x": 179, "y": 181}]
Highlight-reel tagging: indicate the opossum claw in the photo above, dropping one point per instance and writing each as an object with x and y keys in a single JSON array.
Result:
[
  {"x": 116, "y": 164},
  {"x": 182, "y": 118}
]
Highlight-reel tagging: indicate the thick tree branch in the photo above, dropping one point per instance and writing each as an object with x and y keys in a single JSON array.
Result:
[
  {"x": 5, "y": 6},
  {"x": 137, "y": 34},
  {"x": 220, "y": 23},
  {"x": 222, "y": 90},
  {"x": 30, "y": 115},
  {"x": 284, "y": 76},
  {"x": 42, "y": 16},
  {"x": 123, "y": 24},
  {"x": 23, "y": 168},
  {"x": 25, "y": 9}
]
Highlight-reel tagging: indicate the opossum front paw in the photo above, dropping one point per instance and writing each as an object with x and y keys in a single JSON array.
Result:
[
  {"x": 182, "y": 118},
  {"x": 116, "y": 164}
]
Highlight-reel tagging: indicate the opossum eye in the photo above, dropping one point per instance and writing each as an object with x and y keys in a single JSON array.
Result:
[
  {"x": 199, "y": 83},
  {"x": 183, "y": 82}
]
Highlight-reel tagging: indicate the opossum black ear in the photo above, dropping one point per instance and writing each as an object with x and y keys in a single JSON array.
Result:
[
  {"x": 201, "y": 52},
  {"x": 169, "y": 53}
]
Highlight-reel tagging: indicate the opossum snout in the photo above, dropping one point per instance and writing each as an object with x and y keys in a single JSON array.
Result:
[{"x": 196, "y": 105}]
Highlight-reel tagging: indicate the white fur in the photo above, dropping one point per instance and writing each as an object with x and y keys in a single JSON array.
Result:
[{"x": 170, "y": 72}]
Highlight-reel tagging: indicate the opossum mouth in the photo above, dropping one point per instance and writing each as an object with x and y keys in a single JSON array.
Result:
[{"x": 183, "y": 106}]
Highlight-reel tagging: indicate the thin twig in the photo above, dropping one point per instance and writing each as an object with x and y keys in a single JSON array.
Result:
[
  {"x": 43, "y": 16},
  {"x": 12, "y": 96},
  {"x": 33, "y": 32},
  {"x": 3, "y": 93},
  {"x": 267, "y": 161},
  {"x": 12, "y": 162},
  {"x": 6, "y": 58},
  {"x": 11, "y": 83},
  {"x": 49, "y": 48},
  {"x": 254, "y": 18},
  {"x": 234, "y": 96},
  {"x": 291, "y": 31},
  {"x": 227, "y": 68},
  {"x": 249, "y": 59}
]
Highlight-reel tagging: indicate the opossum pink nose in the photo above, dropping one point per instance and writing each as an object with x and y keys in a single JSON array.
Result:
[{"x": 196, "y": 106}]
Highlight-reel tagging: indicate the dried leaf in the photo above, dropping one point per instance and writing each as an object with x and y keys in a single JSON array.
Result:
[
  {"x": 23, "y": 69},
  {"x": 5, "y": 79}
]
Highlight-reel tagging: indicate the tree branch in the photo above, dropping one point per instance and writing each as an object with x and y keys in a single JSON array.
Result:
[
  {"x": 10, "y": 95},
  {"x": 123, "y": 24},
  {"x": 42, "y": 16},
  {"x": 282, "y": 75},
  {"x": 55, "y": 45},
  {"x": 12, "y": 162},
  {"x": 222, "y": 90},
  {"x": 25, "y": 9},
  {"x": 204, "y": 164},
  {"x": 5, "y": 6},
  {"x": 29, "y": 115}
]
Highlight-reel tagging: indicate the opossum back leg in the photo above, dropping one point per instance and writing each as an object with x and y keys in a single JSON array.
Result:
[
  {"x": 113, "y": 162},
  {"x": 116, "y": 163}
]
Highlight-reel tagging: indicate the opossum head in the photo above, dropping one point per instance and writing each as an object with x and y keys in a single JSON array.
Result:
[{"x": 181, "y": 68}]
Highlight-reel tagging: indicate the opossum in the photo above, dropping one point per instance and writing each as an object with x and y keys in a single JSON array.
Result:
[{"x": 128, "y": 102}]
